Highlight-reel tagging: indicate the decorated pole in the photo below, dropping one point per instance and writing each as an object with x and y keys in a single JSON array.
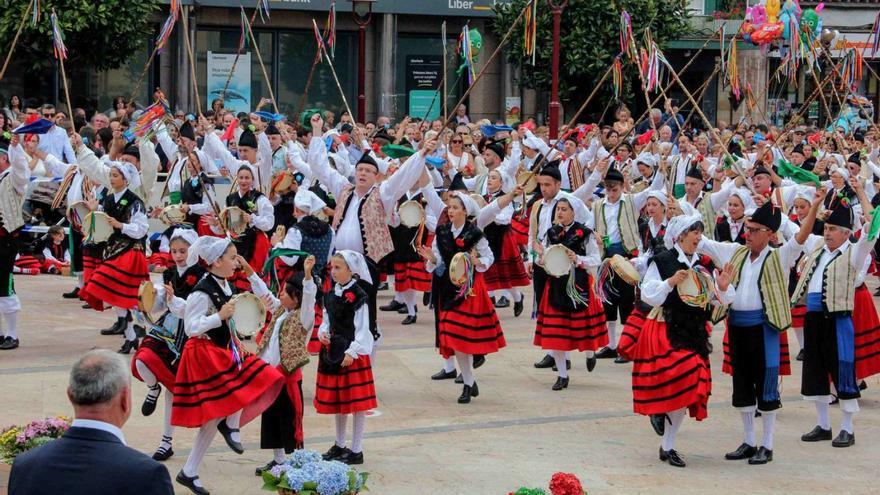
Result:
[
  {"x": 61, "y": 54},
  {"x": 192, "y": 63},
  {"x": 556, "y": 7},
  {"x": 17, "y": 34},
  {"x": 242, "y": 41},
  {"x": 262, "y": 66},
  {"x": 323, "y": 48}
]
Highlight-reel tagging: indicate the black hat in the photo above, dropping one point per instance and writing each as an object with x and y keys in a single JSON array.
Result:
[
  {"x": 346, "y": 128},
  {"x": 735, "y": 149},
  {"x": 496, "y": 148},
  {"x": 271, "y": 130},
  {"x": 695, "y": 173},
  {"x": 368, "y": 159},
  {"x": 768, "y": 215},
  {"x": 384, "y": 136},
  {"x": 858, "y": 136},
  {"x": 248, "y": 139},
  {"x": 799, "y": 148},
  {"x": 840, "y": 216},
  {"x": 761, "y": 169},
  {"x": 187, "y": 131},
  {"x": 457, "y": 183},
  {"x": 809, "y": 164},
  {"x": 551, "y": 169},
  {"x": 855, "y": 158},
  {"x": 613, "y": 175},
  {"x": 132, "y": 150}
]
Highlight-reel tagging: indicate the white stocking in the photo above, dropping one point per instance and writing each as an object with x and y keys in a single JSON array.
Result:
[
  {"x": 278, "y": 456},
  {"x": 340, "y": 420},
  {"x": 409, "y": 298},
  {"x": 449, "y": 364},
  {"x": 769, "y": 418},
  {"x": 562, "y": 369},
  {"x": 612, "y": 335},
  {"x": 748, "y": 419},
  {"x": 466, "y": 366},
  {"x": 11, "y": 324},
  {"x": 201, "y": 443},
  {"x": 359, "y": 420},
  {"x": 671, "y": 430}
]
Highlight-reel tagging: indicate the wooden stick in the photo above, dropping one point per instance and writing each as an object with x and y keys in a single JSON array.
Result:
[
  {"x": 235, "y": 60},
  {"x": 137, "y": 86},
  {"x": 66, "y": 91},
  {"x": 15, "y": 40},
  {"x": 263, "y": 67},
  {"x": 192, "y": 63},
  {"x": 445, "y": 70},
  {"x": 302, "y": 98},
  {"x": 333, "y": 71}
]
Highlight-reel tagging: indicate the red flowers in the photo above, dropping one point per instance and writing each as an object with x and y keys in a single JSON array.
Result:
[
  {"x": 190, "y": 280},
  {"x": 793, "y": 217},
  {"x": 349, "y": 296},
  {"x": 579, "y": 233},
  {"x": 459, "y": 242},
  {"x": 705, "y": 260},
  {"x": 720, "y": 219},
  {"x": 565, "y": 484}
]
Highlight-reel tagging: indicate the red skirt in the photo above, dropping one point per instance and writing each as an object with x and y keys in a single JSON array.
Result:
[
  {"x": 784, "y": 355},
  {"x": 797, "y": 315},
  {"x": 519, "y": 226},
  {"x": 472, "y": 327},
  {"x": 204, "y": 229},
  {"x": 314, "y": 345},
  {"x": 26, "y": 261},
  {"x": 867, "y": 338},
  {"x": 582, "y": 330},
  {"x": 159, "y": 359},
  {"x": 665, "y": 379},
  {"x": 209, "y": 385},
  {"x": 507, "y": 270},
  {"x": 257, "y": 260},
  {"x": 89, "y": 265},
  {"x": 411, "y": 275},
  {"x": 115, "y": 282},
  {"x": 351, "y": 391},
  {"x": 632, "y": 328},
  {"x": 159, "y": 258}
]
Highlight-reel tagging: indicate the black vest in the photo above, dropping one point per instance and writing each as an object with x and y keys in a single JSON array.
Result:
[
  {"x": 340, "y": 313},
  {"x": 183, "y": 285},
  {"x": 192, "y": 192},
  {"x": 402, "y": 236},
  {"x": 449, "y": 246},
  {"x": 724, "y": 233},
  {"x": 209, "y": 285},
  {"x": 247, "y": 203},
  {"x": 685, "y": 325},
  {"x": 122, "y": 211},
  {"x": 495, "y": 232},
  {"x": 575, "y": 238},
  {"x": 651, "y": 243}
]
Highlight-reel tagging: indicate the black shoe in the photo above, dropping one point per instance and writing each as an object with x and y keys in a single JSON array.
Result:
[
  {"x": 127, "y": 346},
  {"x": 479, "y": 360},
  {"x": 744, "y": 451},
  {"x": 844, "y": 439},
  {"x": 8, "y": 344},
  {"x": 86, "y": 306},
  {"x": 382, "y": 286},
  {"x": 443, "y": 375},
  {"x": 149, "y": 404},
  {"x": 818, "y": 434},
  {"x": 567, "y": 365},
  {"x": 403, "y": 310},
  {"x": 762, "y": 456},
  {"x": 545, "y": 362},
  {"x": 227, "y": 432},
  {"x": 658, "y": 423},
  {"x": 475, "y": 390},
  {"x": 800, "y": 356},
  {"x": 74, "y": 294},
  {"x": 392, "y": 306},
  {"x": 834, "y": 400},
  {"x": 503, "y": 302},
  {"x": 118, "y": 328},
  {"x": 140, "y": 331},
  {"x": 606, "y": 353},
  {"x": 591, "y": 363},
  {"x": 190, "y": 483},
  {"x": 560, "y": 384},
  {"x": 757, "y": 414},
  {"x": 267, "y": 467},
  {"x": 409, "y": 320},
  {"x": 334, "y": 453},
  {"x": 877, "y": 292},
  {"x": 426, "y": 299},
  {"x": 518, "y": 306},
  {"x": 351, "y": 458},
  {"x": 672, "y": 457},
  {"x": 458, "y": 379},
  {"x": 863, "y": 385},
  {"x": 466, "y": 394},
  {"x": 163, "y": 454},
  {"x": 621, "y": 360}
]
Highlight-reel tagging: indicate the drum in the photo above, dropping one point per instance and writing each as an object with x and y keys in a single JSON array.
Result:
[
  {"x": 697, "y": 290},
  {"x": 96, "y": 227},
  {"x": 479, "y": 200},
  {"x": 411, "y": 213},
  {"x": 249, "y": 315},
  {"x": 527, "y": 180},
  {"x": 172, "y": 215},
  {"x": 147, "y": 300},
  {"x": 625, "y": 270},
  {"x": 282, "y": 182},
  {"x": 232, "y": 220},
  {"x": 460, "y": 269},
  {"x": 556, "y": 261},
  {"x": 76, "y": 212}
]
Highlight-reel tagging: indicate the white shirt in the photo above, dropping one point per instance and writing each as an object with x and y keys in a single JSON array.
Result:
[
  {"x": 47, "y": 253},
  {"x": 362, "y": 345},
  {"x": 591, "y": 259},
  {"x": 137, "y": 225},
  {"x": 545, "y": 219},
  {"x": 196, "y": 318},
  {"x": 56, "y": 143},
  {"x": 655, "y": 289},
  {"x": 484, "y": 252},
  {"x": 272, "y": 352},
  {"x": 99, "y": 425}
]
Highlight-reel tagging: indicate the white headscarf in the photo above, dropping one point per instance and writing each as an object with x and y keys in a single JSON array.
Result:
[
  {"x": 745, "y": 196},
  {"x": 805, "y": 193},
  {"x": 357, "y": 264},
  {"x": 189, "y": 236},
  {"x": 677, "y": 226},
  {"x": 658, "y": 195},
  {"x": 308, "y": 201},
  {"x": 129, "y": 172},
  {"x": 842, "y": 171},
  {"x": 532, "y": 141},
  {"x": 581, "y": 214},
  {"x": 469, "y": 204},
  {"x": 647, "y": 158},
  {"x": 208, "y": 248}
]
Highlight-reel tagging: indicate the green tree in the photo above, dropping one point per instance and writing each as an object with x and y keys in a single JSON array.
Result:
[
  {"x": 589, "y": 41},
  {"x": 98, "y": 33}
]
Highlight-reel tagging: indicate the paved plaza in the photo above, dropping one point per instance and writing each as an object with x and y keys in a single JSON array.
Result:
[{"x": 517, "y": 432}]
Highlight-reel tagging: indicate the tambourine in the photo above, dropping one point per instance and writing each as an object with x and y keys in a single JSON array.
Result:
[
  {"x": 249, "y": 315},
  {"x": 556, "y": 261},
  {"x": 460, "y": 269},
  {"x": 282, "y": 182},
  {"x": 232, "y": 220},
  {"x": 76, "y": 213},
  {"x": 411, "y": 214},
  {"x": 625, "y": 270},
  {"x": 172, "y": 215},
  {"x": 96, "y": 227},
  {"x": 697, "y": 290},
  {"x": 527, "y": 181},
  {"x": 147, "y": 300}
]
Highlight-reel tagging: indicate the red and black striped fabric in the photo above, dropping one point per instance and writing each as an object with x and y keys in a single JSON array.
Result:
[
  {"x": 28, "y": 261},
  {"x": 350, "y": 391},
  {"x": 89, "y": 265},
  {"x": 867, "y": 338},
  {"x": 507, "y": 270},
  {"x": 209, "y": 385},
  {"x": 631, "y": 329},
  {"x": 411, "y": 275},
  {"x": 158, "y": 258},
  {"x": 519, "y": 226},
  {"x": 582, "y": 330},
  {"x": 158, "y": 358},
  {"x": 471, "y": 327},
  {"x": 314, "y": 345},
  {"x": 663, "y": 378},
  {"x": 784, "y": 354},
  {"x": 797, "y": 315},
  {"x": 115, "y": 282}
]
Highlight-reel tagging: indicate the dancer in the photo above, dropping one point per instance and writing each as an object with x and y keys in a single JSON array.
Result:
[{"x": 13, "y": 181}]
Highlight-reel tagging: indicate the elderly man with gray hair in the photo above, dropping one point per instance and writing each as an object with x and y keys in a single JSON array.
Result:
[{"x": 92, "y": 457}]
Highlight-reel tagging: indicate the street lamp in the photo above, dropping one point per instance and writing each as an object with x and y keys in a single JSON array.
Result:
[
  {"x": 362, "y": 11},
  {"x": 556, "y": 6}
]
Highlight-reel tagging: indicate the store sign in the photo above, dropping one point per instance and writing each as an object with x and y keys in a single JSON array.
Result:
[
  {"x": 862, "y": 42},
  {"x": 423, "y": 78},
  {"x": 238, "y": 94},
  {"x": 463, "y": 8}
]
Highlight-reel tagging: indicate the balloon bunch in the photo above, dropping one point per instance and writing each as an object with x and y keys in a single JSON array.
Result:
[{"x": 772, "y": 20}]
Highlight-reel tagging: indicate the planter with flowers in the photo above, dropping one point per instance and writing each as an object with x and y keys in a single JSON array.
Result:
[
  {"x": 560, "y": 484},
  {"x": 16, "y": 440},
  {"x": 305, "y": 473}
]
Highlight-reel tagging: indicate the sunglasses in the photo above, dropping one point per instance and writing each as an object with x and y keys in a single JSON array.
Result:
[
  {"x": 457, "y": 141},
  {"x": 48, "y": 115}
]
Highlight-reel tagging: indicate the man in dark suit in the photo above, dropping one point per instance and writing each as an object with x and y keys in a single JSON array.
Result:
[{"x": 92, "y": 458}]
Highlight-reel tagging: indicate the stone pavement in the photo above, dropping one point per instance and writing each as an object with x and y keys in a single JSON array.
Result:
[{"x": 518, "y": 432}]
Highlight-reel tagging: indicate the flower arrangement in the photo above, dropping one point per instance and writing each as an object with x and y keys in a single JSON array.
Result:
[
  {"x": 560, "y": 484},
  {"x": 16, "y": 440},
  {"x": 306, "y": 473}
]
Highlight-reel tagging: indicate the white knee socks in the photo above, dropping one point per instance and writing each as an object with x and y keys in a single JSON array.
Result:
[
  {"x": 671, "y": 430},
  {"x": 278, "y": 455},
  {"x": 79, "y": 280},
  {"x": 11, "y": 320},
  {"x": 409, "y": 298},
  {"x": 748, "y": 419},
  {"x": 799, "y": 332},
  {"x": 822, "y": 419},
  {"x": 612, "y": 335},
  {"x": 357, "y": 434},
  {"x": 769, "y": 419},
  {"x": 341, "y": 420},
  {"x": 449, "y": 364},
  {"x": 201, "y": 443},
  {"x": 562, "y": 369},
  {"x": 169, "y": 429},
  {"x": 121, "y": 313},
  {"x": 466, "y": 366}
]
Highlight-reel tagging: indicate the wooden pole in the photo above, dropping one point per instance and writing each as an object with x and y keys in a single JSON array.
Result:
[
  {"x": 262, "y": 66},
  {"x": 192, "y": 62},
  {"x": 237, "y": 56},
  {"x": 333, "y": 71},
  {"x": 15, "y": 40},
  {"x": 443, "y": 40}
]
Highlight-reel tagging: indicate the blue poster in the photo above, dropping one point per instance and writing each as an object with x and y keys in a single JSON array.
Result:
[{"x": 238, "y": 93}]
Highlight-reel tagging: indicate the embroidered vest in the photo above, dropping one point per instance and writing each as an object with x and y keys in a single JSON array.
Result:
[
  {"x": 704, "y": 206},
  {"x": 772, "y": 284},
  {"x": 627, "y": 222},
  {"x": 291, "y": 340},
  {"x": 122, "y": 210},
  {"x": 373, "y": 220},
  {"x": 11, "y": 202},
  {"x": 575, "y": 173},
  {"x": 838, "y": 282}
]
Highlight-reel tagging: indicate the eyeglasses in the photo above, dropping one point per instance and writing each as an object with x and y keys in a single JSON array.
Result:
[
  {"x": 457, "y": 141},
  {"x": 753, "y": 230},
  {"x": 48, "y": 115}
]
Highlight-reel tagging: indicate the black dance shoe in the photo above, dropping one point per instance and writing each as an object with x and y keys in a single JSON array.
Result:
[
  {"x": 844, "y": 439},
  {"x": 672, "y": 457},
  {"x": 591, "y": 363},
  {"x": 744, "y": 451},
  {"x": 227, "y": 432},
  {"x": 818, "y": 434},
  {"x": 658, "y": 423},
  {"x": 409, "y": 320},
  {"x": 518, "y": 307},
  {"x": 259, "y": 471},
  {"x": 443, "y": 375},
  {"x": 800, "y": 355},
  {"x": 567, "y": 365},
  {"x": 351, "y": 458},
  {"x": 333, "y": 453},
  {"x": 392, "y": 306},
  {"x": 479, "y": 360},
  {"x": 127, "y": 346},
  {"x": 560, "y": 384},
  {"x": 606, "y": 353},
  {"x": 163, "y": 454},
  {"x": 545, "y": 362},
  {"x": 74, "y": 294},
  {"x": 8, "y": 344},
  {"x": 149, "y": 404},
  {"x": 620, "y": 360},
  {"x": 762, "y": 456},
  {"x": 118, "y": 328},
  {"x": 502, "y": 302},
  {"x": 191, "y": 484}
]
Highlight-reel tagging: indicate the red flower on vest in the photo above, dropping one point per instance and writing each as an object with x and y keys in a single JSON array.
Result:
[
  {"x": 190, "y": 280},
  {"x": 793, "y": 217},
  {"x": 459, "y": 242},
  {"x": 349, "y": 296},
  {"x": 579, "y": 233},
  {"x": 721, "y": 219},
  {"x": 704, "y": 260}
]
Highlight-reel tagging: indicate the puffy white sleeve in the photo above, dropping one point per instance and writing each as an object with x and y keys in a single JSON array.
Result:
[
  {"x": 485, "y": 254},
  {"x": 264, "y": 218},
  {"x": 307, "y": 306},
  {"x": 137, "y": 225},
  {"x": 654, "y": 289},
  {"x": 292, "y": 240},
  {"x": 363, "y": 339},
  {"x": 196, "y": 319}
]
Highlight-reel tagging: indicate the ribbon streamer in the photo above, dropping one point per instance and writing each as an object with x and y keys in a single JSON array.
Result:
[
  {"x": 58, "y": 39},
  {"x": 35, "y": 15},
  {"x": 168, "y": 27},
  {"x": 269, "y": 266},
  {"x": 263, "y": 9},
  {"x": 331, "y": 29}
]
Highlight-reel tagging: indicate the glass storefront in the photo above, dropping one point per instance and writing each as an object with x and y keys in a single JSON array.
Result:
[{"x": 415, "y": 53}]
